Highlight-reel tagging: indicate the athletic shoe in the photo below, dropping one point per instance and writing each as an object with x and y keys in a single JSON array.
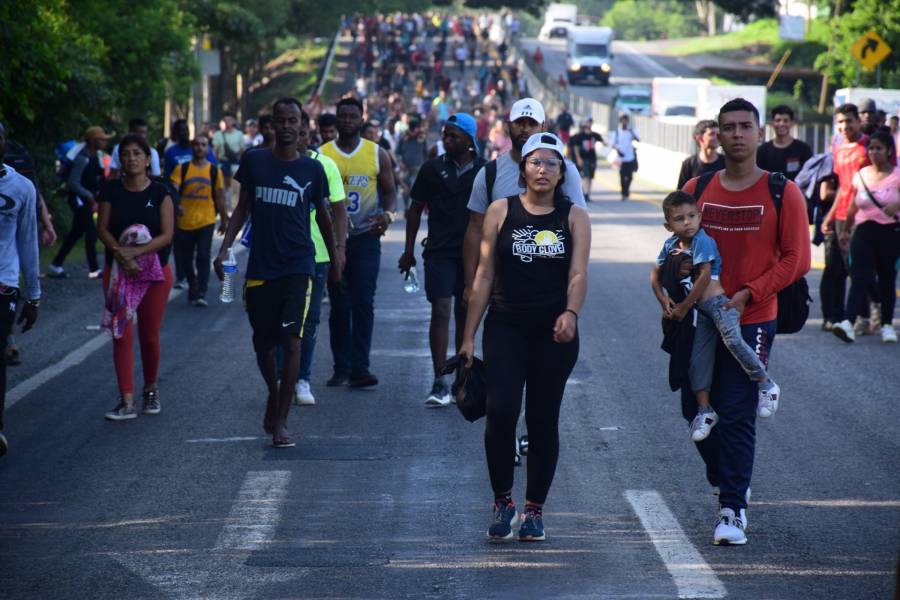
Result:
[
  {"x": 505, "y": 518},
  {"x": 151, "y": 404},
  {"x": 888, "y": 334},
  {"x": 4, "y": 445},
  {"x": 729, "y": 529},
  {"x": 200, "y": 302},
  {"x": 861, "y": 327},
  {"x": 703, "y": 423},
  {"x": 874, "y": 317},
  {"x": 827, "y": 325},
  {"x": 122, "y": 412},
  {"x": 181, "y": 284},
  {"x": 844, "y": 330},
  {"x": 768, "y": 401},
  {"x": 302, "y": 394},
  {"x": 532, "y": 529},
  {"x": 336, "y": 380},
  {"x": 95, "y": 274},
  {"x": 361, "y": 379},
  {"x": 55, "y": 272},
  {"x": 440, "y": 394}
]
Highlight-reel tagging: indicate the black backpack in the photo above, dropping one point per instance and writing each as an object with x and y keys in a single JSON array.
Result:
[{"x": 794, "y": 300}]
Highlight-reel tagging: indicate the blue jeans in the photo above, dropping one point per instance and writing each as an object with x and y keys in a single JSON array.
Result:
[
  {"x": 310, "y": 324},
  {"x": 713, "y": 321},
  {"x": 729, "y": 450},
  {"x": 352, "y": 300}
]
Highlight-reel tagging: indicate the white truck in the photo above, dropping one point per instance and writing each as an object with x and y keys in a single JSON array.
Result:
[
  {"x": 633, "y": 100},
  {"x": 886, "y": 100},
  {"x": 712, "y": 97},
  {"x": 558, "y": 20},
  {"x": 589, "y": 55},
  {"x": 688, "y": 100},
  {"x": 675, "y": 99}
]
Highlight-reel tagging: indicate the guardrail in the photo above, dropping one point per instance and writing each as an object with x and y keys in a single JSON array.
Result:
[{"x": 325, "y": 67}]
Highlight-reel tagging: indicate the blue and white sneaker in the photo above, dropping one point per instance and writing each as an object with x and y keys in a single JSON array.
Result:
[
  {"x": 729, "y": 530},
  {"x": 505, "y": 518},
  {"x": 532, "y": 529}
]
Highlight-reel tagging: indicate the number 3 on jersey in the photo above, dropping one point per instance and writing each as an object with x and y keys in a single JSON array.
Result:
[{"x": 354, "y": 202}]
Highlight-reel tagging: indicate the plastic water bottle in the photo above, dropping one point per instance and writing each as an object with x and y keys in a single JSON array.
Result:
[
  {"x": 230, "y": 268},
  {"x": 411, "y": 281}
]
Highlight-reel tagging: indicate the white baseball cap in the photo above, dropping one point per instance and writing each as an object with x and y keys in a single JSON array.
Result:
[
  {"x": 543, "y": 140},
  {"x": 527, "y": 107}
]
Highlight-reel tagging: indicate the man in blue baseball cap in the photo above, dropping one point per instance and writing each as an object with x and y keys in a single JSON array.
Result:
[{"x": 444, "y": 185}]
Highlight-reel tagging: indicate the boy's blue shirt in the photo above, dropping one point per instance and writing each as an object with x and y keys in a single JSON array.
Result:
[{"x": 703, "y": 250}]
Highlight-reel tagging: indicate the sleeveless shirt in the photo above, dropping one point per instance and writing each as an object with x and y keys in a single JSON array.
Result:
[
  {"x": 532, "y": 258},
  {"x": 359, "y": 172}
]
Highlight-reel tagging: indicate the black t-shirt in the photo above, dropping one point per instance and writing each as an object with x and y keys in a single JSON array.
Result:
[
  {"x": 585, "y": 144},
  {"x": 132, "y": 208},
  {"x": 283, "y": 194},
  {"x": 446, "y": 194},
  {"x": 694, "y": 167},
  {"x": 787, "y": 160}
]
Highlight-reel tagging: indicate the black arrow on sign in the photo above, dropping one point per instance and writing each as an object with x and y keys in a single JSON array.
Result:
[{"x": 870, "y": 45}]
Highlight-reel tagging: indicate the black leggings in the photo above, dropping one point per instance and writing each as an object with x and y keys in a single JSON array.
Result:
[
  {"x": 516, "y": 354},
  {"x": 626, "y": 174},
  {"x": 186, "y": 242},
  {"x": 82, "y": 224},
  {"x": 874, "y": 250}
]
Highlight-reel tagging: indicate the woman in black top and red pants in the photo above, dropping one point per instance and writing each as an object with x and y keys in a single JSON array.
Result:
[
  {"x": 533, "y": 271},
  {"x": 137, "y": 200}
]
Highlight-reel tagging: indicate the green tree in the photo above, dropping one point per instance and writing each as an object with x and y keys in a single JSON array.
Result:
[
  {"x": 652, "y": 19},
  {"x": 882, "y": 16}
]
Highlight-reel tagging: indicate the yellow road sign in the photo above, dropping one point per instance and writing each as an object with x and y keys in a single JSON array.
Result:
[{"x": 870, "y": 49}]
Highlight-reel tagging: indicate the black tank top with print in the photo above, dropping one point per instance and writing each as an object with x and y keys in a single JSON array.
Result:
[{"x": 532, "y": 259}]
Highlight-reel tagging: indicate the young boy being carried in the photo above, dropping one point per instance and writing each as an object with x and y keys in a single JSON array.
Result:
[{"x": 713, "y": 318}]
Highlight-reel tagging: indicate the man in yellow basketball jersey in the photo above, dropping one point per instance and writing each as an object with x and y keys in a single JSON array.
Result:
[{"x": 369, "y": 185}]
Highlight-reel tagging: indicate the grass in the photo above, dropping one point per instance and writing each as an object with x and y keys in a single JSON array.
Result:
[
  {"x": 292, "y": 73},
  {"x": 759, "y": 33}
]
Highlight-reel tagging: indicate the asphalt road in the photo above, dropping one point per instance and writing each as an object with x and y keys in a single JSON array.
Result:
[
  {"x": 383, "y": 498},
  {"x": 635, "y": 63}
]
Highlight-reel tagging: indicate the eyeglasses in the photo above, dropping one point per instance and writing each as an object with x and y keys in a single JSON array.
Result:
[{"x": 550, "y": 164}]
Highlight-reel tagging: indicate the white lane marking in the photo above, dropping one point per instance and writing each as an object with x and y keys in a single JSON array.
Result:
[
  {"x": 402, "y": 353},
  {"x": 254, "y": 515},
  {"x": 72, "y": 359},
  {"x": 609, "y": 428},
  {"x": 693, "y": 577},
  {"x": 223, "y": 440}
]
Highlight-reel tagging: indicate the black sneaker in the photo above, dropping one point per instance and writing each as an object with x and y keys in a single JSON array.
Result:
[
  {"x": 338, "y": 379},
  {"x": 440, "y": 394},
  {"x": 200, "y": 302},
  {"x": 532, "y": 529},
  {"x": 122, "y": 412},
  {"x": 151, "y": 403},
  {"x": 361, "y": 379},
  {"x": 505, "y": 518}
]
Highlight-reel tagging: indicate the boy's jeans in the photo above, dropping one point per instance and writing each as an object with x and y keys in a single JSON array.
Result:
[{"x": 714, "y": 320}]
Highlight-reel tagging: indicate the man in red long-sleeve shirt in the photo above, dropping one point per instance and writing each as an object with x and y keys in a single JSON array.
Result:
[{"x": 762, "y": 254}]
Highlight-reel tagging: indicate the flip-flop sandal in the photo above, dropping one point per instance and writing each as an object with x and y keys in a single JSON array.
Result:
[{"x": 284, "y": 442}]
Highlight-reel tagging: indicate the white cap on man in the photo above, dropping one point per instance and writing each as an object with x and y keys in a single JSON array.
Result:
[{"x": 527, "y": 107}]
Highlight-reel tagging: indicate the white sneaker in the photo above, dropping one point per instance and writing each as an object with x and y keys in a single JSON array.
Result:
[
  {"x": 888, "y": 334},
  {"x": 440, "y": 394},
  {"x": 768, "y": 401},
  {"x": 844, "y": 330},
  {"x": 729, "y": 529},
  {"x": 181, "y": 284},
  {"x": 98, "y": 274},
  {"x": 302, "y": 394},
  {"x": 702, "y": 424}
]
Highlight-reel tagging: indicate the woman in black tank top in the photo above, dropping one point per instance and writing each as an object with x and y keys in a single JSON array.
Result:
[{"x": 532, "y": 273}]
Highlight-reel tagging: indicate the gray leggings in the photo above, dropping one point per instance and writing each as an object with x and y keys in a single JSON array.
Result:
[{"x": 714, "y": 320}]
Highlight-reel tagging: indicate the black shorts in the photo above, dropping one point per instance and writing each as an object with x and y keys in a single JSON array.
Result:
[
  {"x": 443, "y": 278},
  {"x": 588, "y": 167},
  {"x": 275, "y": 307}
]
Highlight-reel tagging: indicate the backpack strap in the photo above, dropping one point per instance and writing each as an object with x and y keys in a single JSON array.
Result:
[
  {"x": 490, "y": 176},
  {"x": 184, "y": 169},
  {"x": 702, "y": 182},
  {"x": 777, "y": 183}
]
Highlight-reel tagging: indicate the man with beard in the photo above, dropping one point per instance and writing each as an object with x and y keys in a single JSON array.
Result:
[
  {"x": 369, "y": 185},
  {"x": 500, "y": 179}
]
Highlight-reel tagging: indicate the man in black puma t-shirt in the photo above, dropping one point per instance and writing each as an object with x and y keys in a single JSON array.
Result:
[{"x": 278, "y": 188}]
